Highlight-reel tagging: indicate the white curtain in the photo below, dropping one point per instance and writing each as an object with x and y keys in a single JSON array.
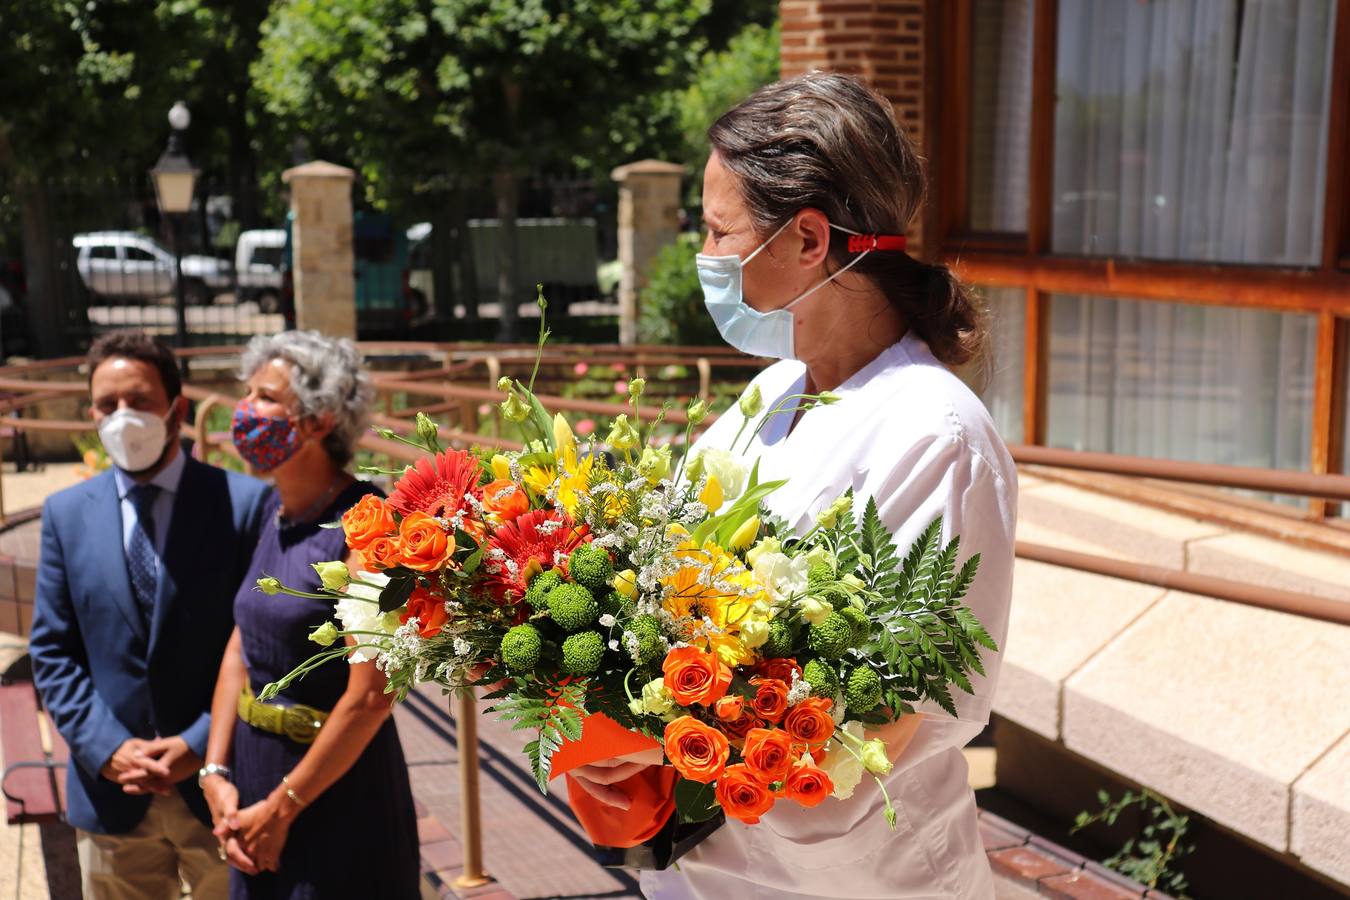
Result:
[
  {"x": 1000, "y": 115},
  {"x": 1189, "y": 130}
]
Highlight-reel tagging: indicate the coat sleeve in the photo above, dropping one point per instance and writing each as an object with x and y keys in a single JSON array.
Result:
[
  {"x": 61, "y": 663},
  {"x": 946, "y": 477}
]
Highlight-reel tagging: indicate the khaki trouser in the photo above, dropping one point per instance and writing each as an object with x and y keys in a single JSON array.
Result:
[{"x": 151, "y": 862}]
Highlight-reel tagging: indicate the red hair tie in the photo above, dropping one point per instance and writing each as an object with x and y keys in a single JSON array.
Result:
[{"x": 860, "y": 243}]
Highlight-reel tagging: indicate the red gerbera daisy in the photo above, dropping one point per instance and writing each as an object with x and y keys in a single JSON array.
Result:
[
  {"x": 437, "y": 485},
  {"x": 538, "y": 535}
]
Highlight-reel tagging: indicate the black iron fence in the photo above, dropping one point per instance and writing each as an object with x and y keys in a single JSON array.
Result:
[{"x": 78, "y": 258}]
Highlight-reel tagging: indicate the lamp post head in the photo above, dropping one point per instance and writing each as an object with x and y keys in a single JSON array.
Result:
[{"x": 174, "y": 177}]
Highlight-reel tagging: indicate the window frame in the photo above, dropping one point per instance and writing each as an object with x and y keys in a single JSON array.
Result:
[{"x": 1025, "y": 261}]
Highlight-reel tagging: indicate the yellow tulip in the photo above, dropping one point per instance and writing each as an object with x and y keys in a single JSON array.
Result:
[
  {"x": 501, "y": 468},
  {"x": 563, "y": 440},
  {"x": 741, "y": 538},
  {"x": 625, "y": 583},
  {"x": 711, "y": 496}
]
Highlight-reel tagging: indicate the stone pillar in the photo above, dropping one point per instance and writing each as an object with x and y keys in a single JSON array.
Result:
[
  {"x": 649, "y": 219},
  {"x": 323, "y": 265}
]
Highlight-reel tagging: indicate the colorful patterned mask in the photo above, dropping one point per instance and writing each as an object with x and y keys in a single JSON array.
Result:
[{"x": 264, "y": 442}]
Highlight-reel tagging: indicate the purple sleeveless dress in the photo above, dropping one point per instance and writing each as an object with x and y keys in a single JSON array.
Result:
[{"x": 358, "y": 838}]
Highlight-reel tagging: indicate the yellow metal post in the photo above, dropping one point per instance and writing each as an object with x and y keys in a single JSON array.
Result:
[{"x": 471, "y": 824}]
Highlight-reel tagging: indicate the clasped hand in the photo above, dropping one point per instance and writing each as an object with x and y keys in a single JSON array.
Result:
[
  {"x": 251, "y": 839},
  {"x": 151, "y": 766}
]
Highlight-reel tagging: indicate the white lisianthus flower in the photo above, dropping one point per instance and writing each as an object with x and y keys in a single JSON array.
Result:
[
  {"x": 819, "y": 554},
  {"x": 844, "y": 769},
  {"x": 334, "y": 574},
  {"x": 754, "y": 633},
  {"x": 782, "y": 576},
  {"x": 731, "y": 471},
  {"x": 874, "y": 757},
  {"x": 656, "y": 700},
  {"x": 814, "y": 610},
  {"x": 359, "y": 610}
]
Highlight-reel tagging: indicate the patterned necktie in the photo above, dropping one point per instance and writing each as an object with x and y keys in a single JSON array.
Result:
[{"x": 141, "y": 560}]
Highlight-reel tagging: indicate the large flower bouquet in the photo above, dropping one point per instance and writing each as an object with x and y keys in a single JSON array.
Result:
[{"x": 612, "y": 584}]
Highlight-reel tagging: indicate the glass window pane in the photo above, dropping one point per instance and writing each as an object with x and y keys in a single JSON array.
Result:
[
  {"x": 1000, "y": 114},
  {"x": 1003, "y": 388},
  {"x": 1192, "y": 129},
  {"x": 1201, "y": 383}
]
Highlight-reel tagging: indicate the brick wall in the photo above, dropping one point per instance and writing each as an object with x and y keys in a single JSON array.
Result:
[{"x": 881, "y": 41}]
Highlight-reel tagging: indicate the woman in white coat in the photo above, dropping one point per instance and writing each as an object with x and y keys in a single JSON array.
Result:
[{"x": 806, "y": 196}]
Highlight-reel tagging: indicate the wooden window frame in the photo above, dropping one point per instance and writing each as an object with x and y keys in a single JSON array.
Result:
[{"x": 1025, "y": 261}]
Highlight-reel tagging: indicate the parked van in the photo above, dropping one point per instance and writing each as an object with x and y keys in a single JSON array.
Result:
[{"x": 259, "y": 258}]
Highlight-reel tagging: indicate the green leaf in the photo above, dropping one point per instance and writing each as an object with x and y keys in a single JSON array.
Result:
[
  {"x": 538, "y": 415},
  {"x": 695, "y": 802},
  {"x": 397, "y": 591}
]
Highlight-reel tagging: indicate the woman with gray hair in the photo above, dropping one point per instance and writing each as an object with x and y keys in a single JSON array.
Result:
[{"x": 321, "y": 767}]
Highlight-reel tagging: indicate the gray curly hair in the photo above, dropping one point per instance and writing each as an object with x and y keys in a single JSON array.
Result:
[{"x": 327, "y": 376}]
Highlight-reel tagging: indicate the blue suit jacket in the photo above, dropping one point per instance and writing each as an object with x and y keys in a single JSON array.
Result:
[{"x": 105, "y": 677}]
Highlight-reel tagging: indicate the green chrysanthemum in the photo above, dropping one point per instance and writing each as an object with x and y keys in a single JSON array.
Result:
[
  {"x": 779, "y": 643},
  {"x": 648, "y": 631},
  {"x": 863, "y": 691},
  {"x": 581, "y": 652},
  {"x": 831, "y": 637},
  {"x": 520, "y": 648},
  {"x": 572, "y": 606},
  {"x": 615, "y": 604},
  {"x": 590, "y": 566},
  {"x": 537, "y": 593},
  {"x": 861, "y": 625},
  {"x": 823, "y": 679},
  {"x": 820, "y": 573}
]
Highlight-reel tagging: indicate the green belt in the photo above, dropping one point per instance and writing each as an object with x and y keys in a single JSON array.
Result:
[{"x": 300, "y": 723}]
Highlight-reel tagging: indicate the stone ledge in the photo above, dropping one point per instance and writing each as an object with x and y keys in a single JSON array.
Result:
[
  {"x": 1320, "y": 817},
  {"x": 1218, "y": 705}
]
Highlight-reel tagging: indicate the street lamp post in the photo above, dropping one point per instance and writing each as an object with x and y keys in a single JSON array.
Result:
[{"x": 175, "y": 183}]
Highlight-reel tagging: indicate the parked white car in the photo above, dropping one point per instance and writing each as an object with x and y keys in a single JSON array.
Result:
[
  {"x": 258, "y": 258},
  {"x": 125, "y": 265}
]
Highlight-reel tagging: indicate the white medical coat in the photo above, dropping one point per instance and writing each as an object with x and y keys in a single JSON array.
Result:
[{"x": 908, "y": 432}]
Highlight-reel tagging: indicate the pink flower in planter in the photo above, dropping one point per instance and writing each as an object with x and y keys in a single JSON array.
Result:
[
  {"x": 620, "y": 387},
  {"x": 620, "y": 367},
  {"x": 580, "y": 369},
  {"x": 585, "y": 426}
]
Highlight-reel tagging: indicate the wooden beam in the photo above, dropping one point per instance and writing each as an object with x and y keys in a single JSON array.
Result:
[
  {"x": 1328, "y": 412},
  {"x": 1035, "y": 370},
  {"x": 1336, "y": 209},
  {"x": 1041, "y": 177},
  {"x": 1263, "y": 287},
  {"x": 954, "y": 29}
]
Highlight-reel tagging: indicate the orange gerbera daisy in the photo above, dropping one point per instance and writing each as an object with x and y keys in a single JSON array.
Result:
[{"x": 437, "y": 486}]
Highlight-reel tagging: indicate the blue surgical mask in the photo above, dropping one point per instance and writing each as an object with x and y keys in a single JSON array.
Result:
[{"x": 749, "y": 330}]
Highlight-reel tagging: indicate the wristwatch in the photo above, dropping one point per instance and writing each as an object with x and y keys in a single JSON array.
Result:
[{"x": 212, "y": 769}]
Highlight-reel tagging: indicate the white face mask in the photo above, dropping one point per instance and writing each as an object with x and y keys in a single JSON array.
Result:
[
  {"x": 743, "y": 327},
  {"x": 135, "y": 440}
]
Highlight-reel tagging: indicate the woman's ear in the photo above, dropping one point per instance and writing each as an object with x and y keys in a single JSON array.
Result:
[
  {"x": 813, "y": 229},
  {"x": 316, "y": 427}
]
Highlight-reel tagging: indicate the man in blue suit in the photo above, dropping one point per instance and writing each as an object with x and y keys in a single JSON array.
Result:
[{"x": 135, "y": 592}]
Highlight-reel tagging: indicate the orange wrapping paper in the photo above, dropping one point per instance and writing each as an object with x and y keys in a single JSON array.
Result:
[{"x": 650, "y": 791}]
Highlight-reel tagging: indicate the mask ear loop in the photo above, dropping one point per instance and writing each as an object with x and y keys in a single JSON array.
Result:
[{"x": 757, "y": 250}]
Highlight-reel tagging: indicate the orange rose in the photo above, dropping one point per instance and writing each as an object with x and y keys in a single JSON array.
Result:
[
  {"x": 809, "y": 722},
  {"x": 768, "y": 754},
  {"x": 382, "y": 553},
  {"x": 737, "y": 729},
  {"x": 729, "y": 708},
  {"x": 808, "y": 784},
  {"x": 698, "y": 752},
  {"x": 424, "y": 545},
  {"x": 369, "y": 519},
  {"x": 770, "y": 700},
  {"x": 505, "y": 499},
  {"x": 782, "y": 669},
  {"x": 429, "y": 610},
  {"x": 693, "y": 676},
  {"x": 743, "y": 796}
]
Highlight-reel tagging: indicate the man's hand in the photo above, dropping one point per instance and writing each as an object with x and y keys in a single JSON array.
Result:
[{"x": 154, "y": 766}]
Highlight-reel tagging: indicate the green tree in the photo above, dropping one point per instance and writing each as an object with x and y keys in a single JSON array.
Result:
[
  {"x": 87, "y": 87},
  {"x": 480, "y": 88}
]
